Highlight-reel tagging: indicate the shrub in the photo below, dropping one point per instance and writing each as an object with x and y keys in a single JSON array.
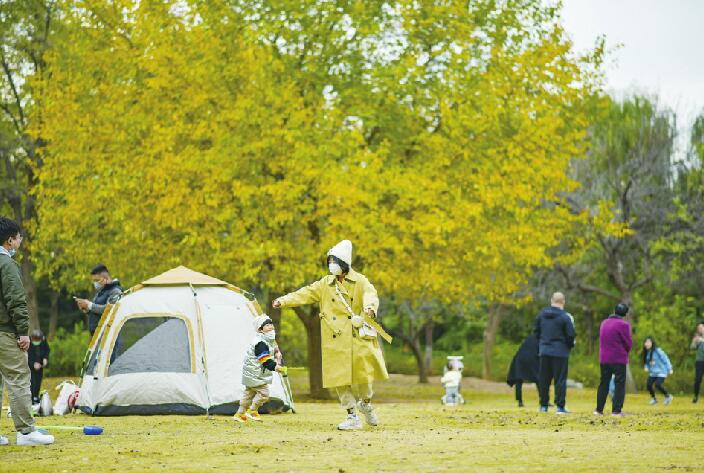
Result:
[{"x": 67, "y": 351}]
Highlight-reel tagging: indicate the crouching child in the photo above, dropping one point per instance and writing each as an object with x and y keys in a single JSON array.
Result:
[
  {"x": 452, "y": 380},
  {"x": 257, "y": 370}
]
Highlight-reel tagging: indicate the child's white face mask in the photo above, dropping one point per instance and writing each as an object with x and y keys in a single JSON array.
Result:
[{"x": 271, "y": 335}]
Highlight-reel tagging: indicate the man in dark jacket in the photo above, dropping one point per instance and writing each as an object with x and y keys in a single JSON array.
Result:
[
  {"x": 525, "y": 367},
  {"x": 109, "y": 291},
  {"x": 37, "y": 358},
  {"x": 555, "y": 332},
  {"x": 14, "y": 341}
]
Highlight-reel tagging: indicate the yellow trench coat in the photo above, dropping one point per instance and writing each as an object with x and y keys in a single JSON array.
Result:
[{"x": 347, "y": 358}]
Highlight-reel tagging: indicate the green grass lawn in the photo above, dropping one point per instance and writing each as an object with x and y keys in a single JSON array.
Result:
[{"x": 416, "y": 434}]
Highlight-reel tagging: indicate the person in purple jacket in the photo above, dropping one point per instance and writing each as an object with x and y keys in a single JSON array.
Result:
[{"x": 615, "y": 342}]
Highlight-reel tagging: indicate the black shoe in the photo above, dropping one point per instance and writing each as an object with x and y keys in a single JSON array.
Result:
[
  {"x": 694, "y": 401},
  {"x": 520, "y": 403}
]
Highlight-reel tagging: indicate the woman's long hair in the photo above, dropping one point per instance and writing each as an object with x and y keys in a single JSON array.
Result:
[{"x": 648, "y": 354}]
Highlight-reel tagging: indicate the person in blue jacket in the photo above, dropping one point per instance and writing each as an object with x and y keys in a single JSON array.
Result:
[{"x": 658, "y": 366}]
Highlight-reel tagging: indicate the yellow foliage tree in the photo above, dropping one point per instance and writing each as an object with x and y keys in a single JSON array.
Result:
[{"x": 245, "y": 138}]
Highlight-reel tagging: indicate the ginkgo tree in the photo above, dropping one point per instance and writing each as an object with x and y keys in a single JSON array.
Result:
[{"x": 244, "y": 138}]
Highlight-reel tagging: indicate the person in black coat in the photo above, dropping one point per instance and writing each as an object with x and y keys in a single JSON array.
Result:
[
  {"x": 524, "y": 367},
  {"x": 38, "y": 358}
]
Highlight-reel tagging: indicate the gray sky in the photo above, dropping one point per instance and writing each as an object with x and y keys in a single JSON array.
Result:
[{"x": 661, "y": 48}]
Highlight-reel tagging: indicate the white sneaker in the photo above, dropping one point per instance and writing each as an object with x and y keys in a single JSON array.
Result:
[
  {"x": 368, "y": 411},
  {"x": 351, "y": 423},
  {"x": 4, "y": 441},
  {"x": 668, "y": 399},
  {"x": 34, "y": 438}
]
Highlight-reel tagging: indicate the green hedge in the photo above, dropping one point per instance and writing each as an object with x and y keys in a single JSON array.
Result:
[
  {"x": 582, "y": 368},
  {"x": 69, "y": 347},
  {"x": 67, "y": 351}
]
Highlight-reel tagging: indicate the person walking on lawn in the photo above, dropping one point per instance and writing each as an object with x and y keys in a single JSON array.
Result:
[
  {"x": 14, "y": 339},
  {"x": 352, "y": 359},
  {"x": 615, "y": 343},
  {"x": 259, "y": 364},
  {"x": 657, "y": 364},
  {"x": 698, "y": 346},
  {"x": 555, "y": 333}
]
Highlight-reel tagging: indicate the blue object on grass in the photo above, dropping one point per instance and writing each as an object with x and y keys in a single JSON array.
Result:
[{"x": 92, "y": 430}]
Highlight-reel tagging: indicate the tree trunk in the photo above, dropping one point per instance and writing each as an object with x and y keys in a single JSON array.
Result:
[
  {"x": 418, "y": 355},
  {"x": 315, "y": 355},
  {"x": 492, "y": 328},
  {"x": 53, "y": 313},
  {"x": 589, "y": 323},
  {"x": 30, "y": 288},
  {"x": 428, "y": 361},
  {"x": 274, "y": 314}
]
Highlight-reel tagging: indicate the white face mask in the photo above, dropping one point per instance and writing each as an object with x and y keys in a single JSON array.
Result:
[
  {"x": 335, "y": 269},
  {"x": 12, "y": 252},
  {"x": 98, "y": 286},
  {"x": 270, "y": 335}
]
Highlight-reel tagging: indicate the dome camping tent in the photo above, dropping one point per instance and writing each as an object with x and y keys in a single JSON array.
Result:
[{"x": 173, "y": 345}]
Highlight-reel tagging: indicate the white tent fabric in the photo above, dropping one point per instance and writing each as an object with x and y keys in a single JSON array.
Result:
[{"x": 173, "y": 347}]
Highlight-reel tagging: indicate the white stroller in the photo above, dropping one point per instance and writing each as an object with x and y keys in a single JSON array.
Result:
[{"x": 452, "y": 380}]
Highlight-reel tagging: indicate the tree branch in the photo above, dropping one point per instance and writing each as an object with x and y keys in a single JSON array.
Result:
[
  {"x": 15, "y": 93},
  {"x": 597, "y": 290}
]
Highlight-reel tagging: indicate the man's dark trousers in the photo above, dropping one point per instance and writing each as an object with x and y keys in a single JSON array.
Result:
[
  {"x": 619, "y": 373},
  {"x": 553, "y": 367}
]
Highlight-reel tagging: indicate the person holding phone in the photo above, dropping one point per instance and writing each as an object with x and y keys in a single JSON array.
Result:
[{"x": 108, "y": 292}]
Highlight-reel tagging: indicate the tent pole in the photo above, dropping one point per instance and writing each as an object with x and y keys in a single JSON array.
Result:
[{"x": 199, "y": 317}]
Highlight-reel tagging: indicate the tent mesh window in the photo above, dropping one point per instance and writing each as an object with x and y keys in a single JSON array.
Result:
[
  {"x": 151, "y": 344},
  {"x": 93, "y": 362}
]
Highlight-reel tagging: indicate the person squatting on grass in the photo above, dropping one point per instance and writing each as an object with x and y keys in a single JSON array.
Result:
[
  {"x": 14, "y": 339},
  {"x": 658, "y": 366},
  {"x": 351, "y": 356},
  {"x": 698, "y": 345},
  {"x": 555, "y": 333},
  {"x": 525, "y": 367},
  {"x": 452, "y": 380},
  {"x": 257, "y": 369},
  {"x": 615, "y": 343}
]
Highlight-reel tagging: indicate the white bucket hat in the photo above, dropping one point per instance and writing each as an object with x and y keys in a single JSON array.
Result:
[{"x": 260, "y": 321}]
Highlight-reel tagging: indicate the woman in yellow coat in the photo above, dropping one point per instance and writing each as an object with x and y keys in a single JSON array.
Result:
[{"x": 352, "y": 358}]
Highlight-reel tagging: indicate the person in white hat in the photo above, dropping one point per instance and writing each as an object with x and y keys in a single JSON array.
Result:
[
  {"x": 259, "y": 363},
  {"x": 351, "y": 356}
]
